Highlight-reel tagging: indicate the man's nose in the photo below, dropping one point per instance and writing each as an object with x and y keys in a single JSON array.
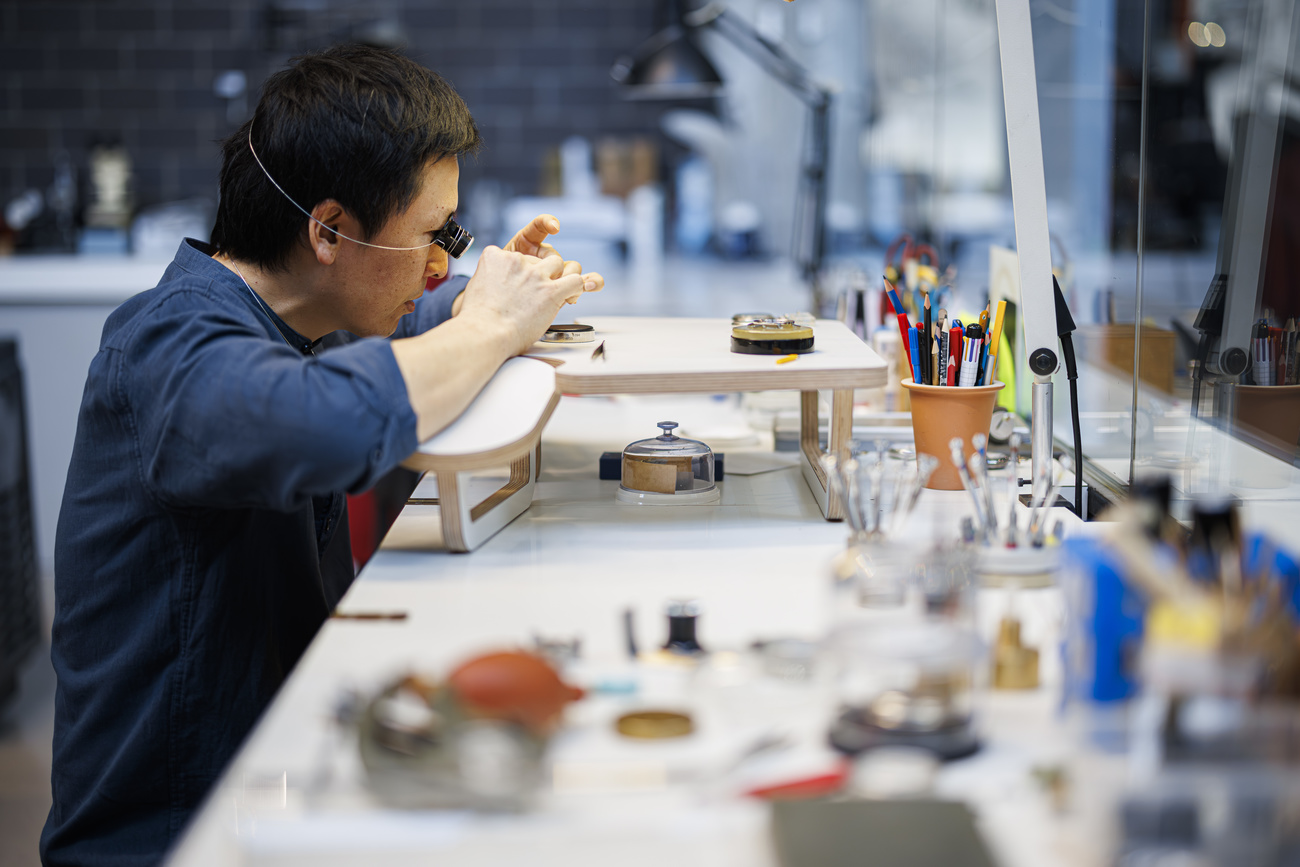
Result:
[{"x": 435, "y": 267}]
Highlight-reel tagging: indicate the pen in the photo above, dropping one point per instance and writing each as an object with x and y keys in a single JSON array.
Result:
[
  {"x": 914, "y": 353},
  {"x": 943, "y": 355},
  {"x": 954, "y": 351},
  {"x": 940, "y": 373},
  {"x": 984, "y": 346},
  {"x": 971, "y": 356},
  {"x": 995, "y": 344},
  {"x": 934, "y": 356}
]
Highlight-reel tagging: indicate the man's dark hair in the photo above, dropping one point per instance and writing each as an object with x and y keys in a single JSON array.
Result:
[{"x": 353, "y": 123}]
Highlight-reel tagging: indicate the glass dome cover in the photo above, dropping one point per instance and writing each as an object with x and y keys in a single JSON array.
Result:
[{"x": 667, "y": 469}]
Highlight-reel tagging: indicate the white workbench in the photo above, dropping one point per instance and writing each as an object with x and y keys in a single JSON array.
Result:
[{"x": 568, "y": 567}]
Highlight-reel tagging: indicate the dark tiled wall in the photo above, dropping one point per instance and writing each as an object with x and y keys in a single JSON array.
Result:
[{"x": 141, "y": 72}]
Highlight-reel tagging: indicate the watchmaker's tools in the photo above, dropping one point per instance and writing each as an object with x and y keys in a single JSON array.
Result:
[
  {"x": 667, "y": 469},
  {"x": 879, "y": 491}
]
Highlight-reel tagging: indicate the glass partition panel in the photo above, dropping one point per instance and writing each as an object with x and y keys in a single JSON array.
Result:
[{"x": 1220, "y": 266}]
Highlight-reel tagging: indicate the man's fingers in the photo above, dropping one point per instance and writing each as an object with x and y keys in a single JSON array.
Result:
[
  {"x": 532, "y": 237},
  {"x": 572, "y": 268},
  {"x": 553, "y": 266},
  {"x": 592, "y": 282},
  {"x": 569, "y": 287}
]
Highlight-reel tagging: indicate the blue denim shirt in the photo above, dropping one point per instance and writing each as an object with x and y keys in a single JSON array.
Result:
[{"x": 201, "y": 542}]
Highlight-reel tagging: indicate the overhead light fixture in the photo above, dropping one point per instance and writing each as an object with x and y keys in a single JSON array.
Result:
[{"x": 667, "y": 66}]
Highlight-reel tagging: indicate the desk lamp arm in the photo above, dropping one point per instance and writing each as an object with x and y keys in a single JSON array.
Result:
[
  {"x": 1029, "y": 203},
  {"x": 1028, "y": 186},
  {"x": 776, "y": 62},
  {"x": 772, "y": 57}
]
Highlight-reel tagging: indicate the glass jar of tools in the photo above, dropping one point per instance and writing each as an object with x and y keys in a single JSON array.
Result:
[
  {"x": 879, "y": 490},
  {"x": 909, "y": 665},
  {"x": 913, "y": 679}
]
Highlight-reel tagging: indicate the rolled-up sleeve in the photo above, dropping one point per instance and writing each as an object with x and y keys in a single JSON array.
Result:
[{"x": 234, "y": 419}]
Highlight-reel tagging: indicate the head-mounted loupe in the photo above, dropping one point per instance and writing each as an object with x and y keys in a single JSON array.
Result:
[{"x": 452, "y": 238}]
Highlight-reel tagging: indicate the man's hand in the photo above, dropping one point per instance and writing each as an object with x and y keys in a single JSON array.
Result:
[
  {"x": 519, "y": 295},
  {"x": 506, "y": 307},
  {"x": 531, "y": 241}
]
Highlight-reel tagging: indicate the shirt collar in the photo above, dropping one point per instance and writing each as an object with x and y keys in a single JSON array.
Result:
[{"x": 196, "y": 256}]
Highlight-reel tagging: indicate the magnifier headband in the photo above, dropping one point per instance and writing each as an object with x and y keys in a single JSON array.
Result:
[{"x": 451, "y": 237}]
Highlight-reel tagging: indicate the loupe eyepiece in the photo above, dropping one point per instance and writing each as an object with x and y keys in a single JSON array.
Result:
[{"x": 453, "y": 238}]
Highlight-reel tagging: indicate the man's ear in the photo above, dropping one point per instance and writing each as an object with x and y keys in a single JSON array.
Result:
[{"x": 324, "y": 242}]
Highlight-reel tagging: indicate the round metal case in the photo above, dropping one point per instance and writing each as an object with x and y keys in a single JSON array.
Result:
[
  {"x": 778, "y": 336},
  {"x": 570, "y": 333}
]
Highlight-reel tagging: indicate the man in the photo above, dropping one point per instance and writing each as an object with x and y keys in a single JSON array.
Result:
[{"x": 202, "y": 540}]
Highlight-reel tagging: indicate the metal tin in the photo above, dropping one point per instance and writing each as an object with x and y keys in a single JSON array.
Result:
[
  {"x": 570, "y": 333},
  {"x": 654, "y": 724},
  {"x": 771, "y": 337}
]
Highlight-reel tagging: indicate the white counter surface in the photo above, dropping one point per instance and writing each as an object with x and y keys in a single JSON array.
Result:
[
  {"x": 568, "y": 567},
  {"x": 58, "y": 280}
]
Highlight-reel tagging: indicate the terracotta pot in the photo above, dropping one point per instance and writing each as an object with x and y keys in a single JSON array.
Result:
[{"x": 941, "y": 412}]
